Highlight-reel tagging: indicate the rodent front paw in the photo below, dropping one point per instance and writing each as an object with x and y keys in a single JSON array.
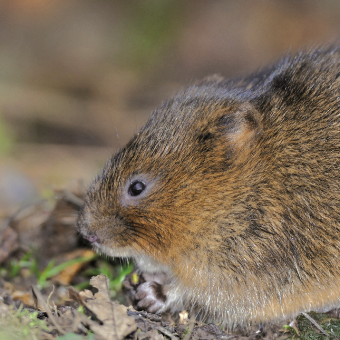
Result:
[{"x": 150, "y": 297}]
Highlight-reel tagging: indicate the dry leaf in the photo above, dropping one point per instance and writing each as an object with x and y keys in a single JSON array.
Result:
[
  {"x": 116, "y": 323},
  {"x": 152, "y": 335},
  {"x": 8, "y": 243},
  {"x": 65, "y": 276},
  {"x": 183, "y": 317},
  {"x": 86, "y": 294},
  {"x": 25, "y": 298}
]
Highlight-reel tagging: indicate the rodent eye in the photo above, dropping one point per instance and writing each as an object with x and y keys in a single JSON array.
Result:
[{"x": 136, "y": 188}]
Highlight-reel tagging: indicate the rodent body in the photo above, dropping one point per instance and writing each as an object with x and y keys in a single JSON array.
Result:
[{"x": 232, "y": 192}]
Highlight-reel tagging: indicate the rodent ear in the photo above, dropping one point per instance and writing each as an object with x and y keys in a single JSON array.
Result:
[{"x": 243, "y": 126}]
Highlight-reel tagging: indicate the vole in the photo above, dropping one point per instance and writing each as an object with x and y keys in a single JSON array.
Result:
[{"x": 229, "y": 196}]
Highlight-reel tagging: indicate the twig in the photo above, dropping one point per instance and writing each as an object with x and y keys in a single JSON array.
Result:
[
  {"x": 190, "y": 327},
  {"x": 165, "y": 332},
  {"x": 315, "y": 323},
  {"x": 42, "y": 302}
]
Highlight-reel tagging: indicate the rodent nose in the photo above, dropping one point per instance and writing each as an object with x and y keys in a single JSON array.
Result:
[{"x": 91, "y": 238}]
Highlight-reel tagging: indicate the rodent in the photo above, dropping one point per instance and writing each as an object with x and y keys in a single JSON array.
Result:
[{"x": 231, "y": 194}]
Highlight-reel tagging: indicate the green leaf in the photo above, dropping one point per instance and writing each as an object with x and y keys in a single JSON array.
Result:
[{"x": 52, "y": 270}]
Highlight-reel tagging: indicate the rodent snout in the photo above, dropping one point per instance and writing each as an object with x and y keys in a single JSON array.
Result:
[{"x": 92, "y": 237}]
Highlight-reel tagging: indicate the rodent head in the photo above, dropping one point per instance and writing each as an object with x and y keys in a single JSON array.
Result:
[{"x": 167, "y": 193}]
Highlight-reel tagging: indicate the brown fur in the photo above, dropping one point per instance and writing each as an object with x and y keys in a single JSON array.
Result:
[{"x": 242, "y": 208}]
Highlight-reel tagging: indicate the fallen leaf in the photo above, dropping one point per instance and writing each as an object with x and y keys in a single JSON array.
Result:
[
  {"x": 8, "y": 243},
  {"x": 116, "y": 323},
  {"x": 152, "y": 335},
  {"x": 65, "y": 276},
  {"x": 25, "y": 298}
]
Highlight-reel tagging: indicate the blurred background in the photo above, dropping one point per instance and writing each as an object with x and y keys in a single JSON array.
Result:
[{"x": 79, "y": 77}]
